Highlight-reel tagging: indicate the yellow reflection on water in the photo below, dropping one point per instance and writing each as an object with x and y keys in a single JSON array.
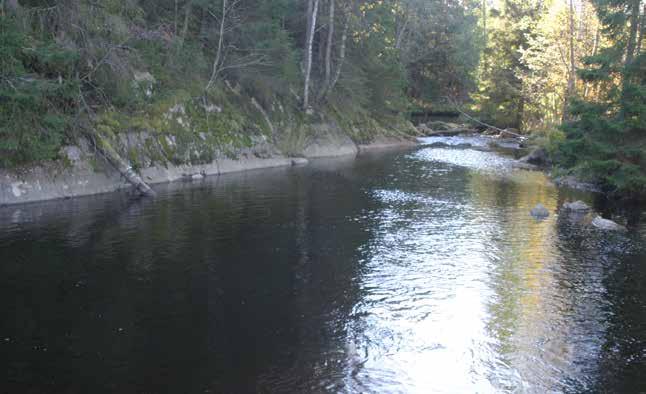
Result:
[{"x": 524, "y": 282}]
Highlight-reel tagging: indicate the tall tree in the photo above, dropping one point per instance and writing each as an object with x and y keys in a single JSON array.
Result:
[
  {"x": 606, "y": 140},
  {"x": 312, "y": 10},
  {"x": 572, "y": 70}
]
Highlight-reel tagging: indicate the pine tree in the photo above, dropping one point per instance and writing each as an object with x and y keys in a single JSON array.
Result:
[{"x": 607, "y": 141}]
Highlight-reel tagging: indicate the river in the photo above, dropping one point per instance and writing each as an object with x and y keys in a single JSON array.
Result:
[{"x": 412, "y": 271}]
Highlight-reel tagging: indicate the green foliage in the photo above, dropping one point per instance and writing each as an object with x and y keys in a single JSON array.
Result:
[
  {"x": 607, "y": 141},
  {"x": 37, "y": 98},
  {"x": 76, "y": 66},
  {"x": 501, "y": 99},
  {"x": 443, "y": 50}
]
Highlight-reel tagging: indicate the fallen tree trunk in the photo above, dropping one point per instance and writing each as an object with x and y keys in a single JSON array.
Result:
[
  {"x": 123, "y": 167},
  {"x": 502, "y": 131},
  {"x": 451, "y": 132}
]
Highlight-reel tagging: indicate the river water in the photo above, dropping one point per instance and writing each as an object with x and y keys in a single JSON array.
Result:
[{"x": 414, "y": 271}]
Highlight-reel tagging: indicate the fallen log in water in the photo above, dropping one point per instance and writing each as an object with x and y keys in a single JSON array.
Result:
[
  {"x": 451, "y": 132},
  {"x": 123, "y": 167}
]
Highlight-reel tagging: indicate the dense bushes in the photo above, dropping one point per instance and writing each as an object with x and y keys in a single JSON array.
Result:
[{"x": 37, "y": 96}]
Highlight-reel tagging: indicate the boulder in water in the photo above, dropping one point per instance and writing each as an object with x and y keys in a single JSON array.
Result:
[
  {"x": 577, "y": 206},
  {"x": 539, "y": 212},
  {"x": 607, "y": 225},
  {"x": 573, "y": 183},
  {"x": 537, "y": 157}
]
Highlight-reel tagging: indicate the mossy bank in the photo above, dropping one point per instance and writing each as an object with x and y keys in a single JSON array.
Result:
[{"x": 180, "y": 137}]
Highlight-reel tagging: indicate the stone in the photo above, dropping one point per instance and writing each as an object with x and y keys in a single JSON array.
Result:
[
  {"x": 573, "y": 183},
  {"x": 537, "y": 157},
  {"x": 424, "y": 129},
  {"x": 299, "y": 161},
  {"x": 607, "y": 225},
  {"x": 193, "y": 177},
  {"x": 539, "y": 212},
  {"x": 72, "y": 153},
  {"x": 441, "y": 144},
  {"x": 577, "y": 206}
]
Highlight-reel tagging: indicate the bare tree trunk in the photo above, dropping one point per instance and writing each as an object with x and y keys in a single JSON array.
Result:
[
  {"x": 520, "y": 107},
  {"x": 344, "y": 38},
  {"x": 401, "y": 33},
  {"x": 634, "y": 25},
  {"x": 632, "y": 42},
  {"x": 328, "y": 49},
  {"x": 571, "y": 82},
  {"x": 262, "y": 111},
  {"x": 642, "y": 27},
  {"x": 401, "y": 28},
  {"x": 218, "y": 55},
  {"x": 124, "y": 168},
  {"x": 595, "y": 48},
  {"x": 187, "y": 17},
  {"x": 312, "y": 8},
  {"x": 485, "y": 35}
]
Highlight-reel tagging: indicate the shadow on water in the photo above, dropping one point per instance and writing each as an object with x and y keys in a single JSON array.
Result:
[
  {"x": 396, "y": 272},
  {"x": 237, "y": 283}
]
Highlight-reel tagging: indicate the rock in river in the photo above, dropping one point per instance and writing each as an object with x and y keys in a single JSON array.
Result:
[
  {"x": 607, "y": 225},
  {"x": 537, "y": 157},
  {"x": 539, "y": 212},
  {"x": 577, "y": 206}
]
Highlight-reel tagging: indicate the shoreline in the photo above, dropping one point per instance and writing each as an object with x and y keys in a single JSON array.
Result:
[{"x": 87, "y": 174}]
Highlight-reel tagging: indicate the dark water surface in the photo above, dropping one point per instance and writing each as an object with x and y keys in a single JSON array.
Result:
[{"x": 417, "y": 271}]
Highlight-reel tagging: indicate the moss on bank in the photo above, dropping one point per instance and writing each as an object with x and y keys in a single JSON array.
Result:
[{"x": 184, "y": 128}]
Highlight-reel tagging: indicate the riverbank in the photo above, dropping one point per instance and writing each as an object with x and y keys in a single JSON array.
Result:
[{"x": 83, "y": 171}]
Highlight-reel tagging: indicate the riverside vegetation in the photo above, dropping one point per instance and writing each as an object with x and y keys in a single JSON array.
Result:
[{"x": 198, "y": 78}]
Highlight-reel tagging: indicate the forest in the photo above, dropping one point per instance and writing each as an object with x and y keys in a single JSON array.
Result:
[{"x": 571, "y": 74}]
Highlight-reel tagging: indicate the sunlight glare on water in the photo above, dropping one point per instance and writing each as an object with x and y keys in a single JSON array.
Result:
[{"x": 404, "y": 272}]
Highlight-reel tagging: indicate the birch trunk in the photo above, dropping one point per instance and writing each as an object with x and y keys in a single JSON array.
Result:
[
  {"x": 571, "y": 81},
  {"x": 344, "y": 38},
  {"x": 218, "y": 55},
  {"x": 312, "y": 8},
  {"x": 485, "y": 35},
  {"x": 328, "y": 49}
]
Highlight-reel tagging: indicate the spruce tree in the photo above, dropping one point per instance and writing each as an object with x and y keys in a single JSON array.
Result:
[{"x": 607, "y": 140}]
